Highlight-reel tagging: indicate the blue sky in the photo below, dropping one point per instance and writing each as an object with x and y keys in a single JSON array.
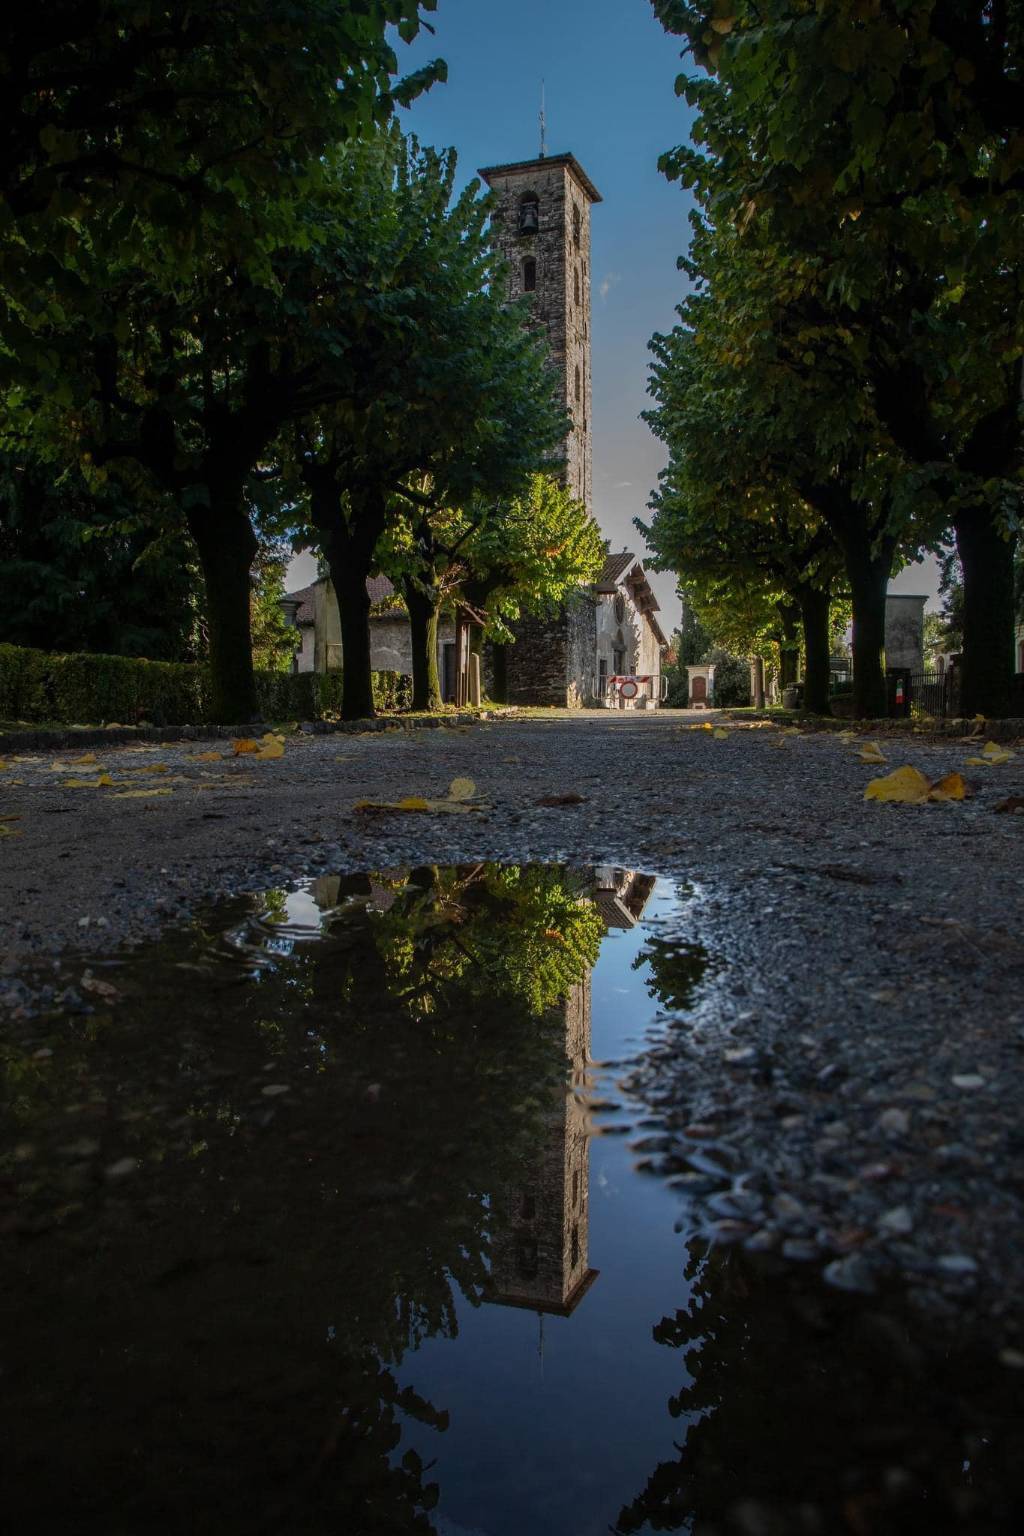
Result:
[{"x": 609, "y": 72}]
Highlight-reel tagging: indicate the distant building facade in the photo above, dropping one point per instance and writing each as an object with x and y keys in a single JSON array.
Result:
[
  {"x": 904, "y": 631},
  {"x": 567, "y": 658}
]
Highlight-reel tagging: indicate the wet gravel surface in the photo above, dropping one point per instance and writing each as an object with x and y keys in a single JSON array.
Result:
[{"x": 847, "y": 1090}]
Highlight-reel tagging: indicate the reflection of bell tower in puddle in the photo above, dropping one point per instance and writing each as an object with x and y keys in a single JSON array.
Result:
[{"x": 539, "y": 1247}]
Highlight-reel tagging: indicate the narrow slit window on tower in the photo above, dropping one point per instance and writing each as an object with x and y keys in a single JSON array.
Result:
[
  {"x": 529, "y": 275},
  {"x": 576, "y": 285},
  {"x": 577, "y": 223},
  {"x": 529, "y": 214},
  {"x": 577, "y": 382}
]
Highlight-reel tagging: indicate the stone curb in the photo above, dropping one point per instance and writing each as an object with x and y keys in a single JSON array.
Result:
[
  {"x": 959, "y": 730},
  {"x": 119, "y": 736}
]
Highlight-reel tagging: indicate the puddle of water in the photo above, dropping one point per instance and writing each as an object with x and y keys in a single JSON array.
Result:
[{"x": 332, "y": 1222}]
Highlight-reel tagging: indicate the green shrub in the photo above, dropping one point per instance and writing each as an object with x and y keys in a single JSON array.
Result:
[{"x": 87, "y": 689}]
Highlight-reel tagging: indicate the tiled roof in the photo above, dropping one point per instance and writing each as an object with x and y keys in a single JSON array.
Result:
[
  {"x": 614, "y": 568},
  {"x": 378, "y": 588},
  {"x": 304, "y": 598}
]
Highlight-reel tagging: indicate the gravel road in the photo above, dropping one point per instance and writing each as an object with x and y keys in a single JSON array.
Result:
[{"x": 849, "y": 1092}]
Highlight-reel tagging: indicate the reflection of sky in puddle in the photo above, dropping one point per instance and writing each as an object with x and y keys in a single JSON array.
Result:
[{"x": 555, "y": 1421}]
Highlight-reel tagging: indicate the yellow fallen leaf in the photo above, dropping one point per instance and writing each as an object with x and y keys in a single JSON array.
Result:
[
  {"x": 269, "y": 748},
  {"x": 140, "y": 794},
  {"x": 4, "y": 766},
  {"x": 904, "y": 786},
  {"x": 87, "y": 757},
  {"x": 951, "y": 787},
  {"x": 461, "y": 789},
  {"x": 10, "y": 831},
  {"x": 101, "y": 781},
  {"x": 992, "y": 756},
  {"x": 720, "y": 733},
  {"x": 245, "y": 744},
  {"x": 207, "y": 757},
  {"x": 871, "y": 752},
  {"x": 847, "y": 735},
  {"x": 415, "y": 803}
]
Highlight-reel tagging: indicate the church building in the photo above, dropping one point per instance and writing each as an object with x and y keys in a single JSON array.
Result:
[{"x": 605, "y": 645}]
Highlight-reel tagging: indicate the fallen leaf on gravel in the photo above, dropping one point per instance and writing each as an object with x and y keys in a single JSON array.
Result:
[
  {"x": 459, "y": 793},
  {"x": 720, "y": 733},
  {"x": 245, "y": 744},
  {"x": 570, "y": 799},
  {"x": 847, "y": 735},
  {"x": 992, "y": 756},
  {"x": 149, "y": 768},
  {"x": 140, "y": 794},
  {"x": 951, "y": 787},
  {"x": 904, "y": 786},
  {"x": 207, "y": 757},
  {"x": 909, "y": 786},
  {"x": 4, "y": 766},
  {"x": 271, "y": 746},
  {"x": 977, "y": 723},
  {"x": 98, "y": 988},
  {"x": 1012, "y": 804},
  {"x": 871, "y": 752},
  {"x": 102, "y": 781},
  {"x": 10, "y": 831}
]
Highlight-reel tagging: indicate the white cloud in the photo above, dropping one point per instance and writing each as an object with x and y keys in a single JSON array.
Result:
[{"x": 607, "y": 283}]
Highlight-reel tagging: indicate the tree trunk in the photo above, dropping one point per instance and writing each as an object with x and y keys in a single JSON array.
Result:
[
  {"x": 814, "y": 610},
  {"x": 789, "y": 643},
  {"x": 349, "y": 569},
  {"x": 987, "y": 561},
  {"x": 423, "y": 615},
  {"x": 227, "y": 546},
  {"x": 869, "y": 580},
  {"x": 499, "y": 655}
]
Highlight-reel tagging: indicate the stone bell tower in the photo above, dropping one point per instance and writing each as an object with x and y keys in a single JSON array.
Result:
[{"x": 542, "y": 227}]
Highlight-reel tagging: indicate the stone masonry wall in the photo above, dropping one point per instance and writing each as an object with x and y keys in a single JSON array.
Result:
[
  {"x": 538, "y": 661},
  {"x": 560, "y": 302},
  {"x": 581, "y": 642}
]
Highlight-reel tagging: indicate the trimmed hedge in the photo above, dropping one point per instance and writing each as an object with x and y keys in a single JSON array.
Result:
[{"x": 80, "y": 689}]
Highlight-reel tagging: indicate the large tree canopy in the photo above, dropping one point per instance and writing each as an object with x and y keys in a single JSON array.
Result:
[
  {"x": 439, "y": 395},
  {"x": 879, "y": 150}
]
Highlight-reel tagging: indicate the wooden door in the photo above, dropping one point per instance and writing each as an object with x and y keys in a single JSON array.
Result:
[{"x": 698, "y": 690}]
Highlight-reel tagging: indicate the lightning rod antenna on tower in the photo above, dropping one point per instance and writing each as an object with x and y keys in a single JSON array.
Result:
[{"x": 543, "y": 124}]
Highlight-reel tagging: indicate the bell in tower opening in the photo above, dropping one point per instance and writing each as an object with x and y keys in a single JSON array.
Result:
[{"x": 529, "y": 214}]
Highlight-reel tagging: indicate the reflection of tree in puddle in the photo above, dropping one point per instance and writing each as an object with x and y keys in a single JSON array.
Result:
[
  {"x": 216, "y": 1330},
  {"x": 812, "y": 1412}
]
